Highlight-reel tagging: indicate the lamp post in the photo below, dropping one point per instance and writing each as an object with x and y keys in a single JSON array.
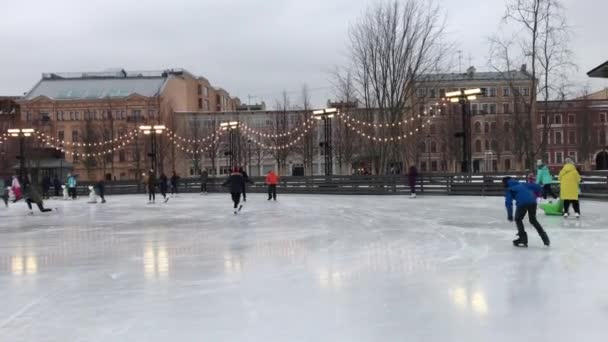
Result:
[
  {"x": 249, "y": 156},
  {"x": 153, "y": 131},
  {"x": 21, "y": 133},
  {"x": 230, "y": 126},
  {"x": 326, "y": 115},
  {"x": 464, "y": 97},
  {"x": 428, "y": 152}
]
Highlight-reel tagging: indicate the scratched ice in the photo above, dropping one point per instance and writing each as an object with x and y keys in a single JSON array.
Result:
[{"x": 306, "y": 268}]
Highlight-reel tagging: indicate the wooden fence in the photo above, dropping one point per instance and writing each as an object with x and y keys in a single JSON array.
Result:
[{"x": 594, "y": 185}]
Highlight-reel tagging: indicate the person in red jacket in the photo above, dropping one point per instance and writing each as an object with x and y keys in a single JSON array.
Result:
[{"x": 272, "y": 180}]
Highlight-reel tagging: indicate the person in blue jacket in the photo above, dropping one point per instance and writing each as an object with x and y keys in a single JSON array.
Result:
[{"x": 525, "y": 203}]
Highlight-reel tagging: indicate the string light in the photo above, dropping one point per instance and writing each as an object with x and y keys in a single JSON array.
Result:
[
  {"x": 86, "y": 155},
  {"x": 128, "y": 135},
  {"x": 354, "y": 121},
  {"x": 197, "y": 151},
  {"x": 385, "y": 140},
  {"x": 279, "y": 135},
  {"x": 172, "y": 134},
  {"x": 284, "y": 146}
]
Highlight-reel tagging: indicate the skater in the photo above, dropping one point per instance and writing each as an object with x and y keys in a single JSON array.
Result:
[
  {"x": 204, "y": 180},
  {"x": 525, "y": 201},
  {"x": 100, "y": 190},
  {"x": 174, "y": 181},
  {"x": 4, "y": 192},
  {"x": 57, "y": 186},
  {"x": 245, "y": 181},
  {"x": 32, "y": 196},
  {"x": 272, "y": 180},
  {"x": 569, "y": 182},
  {"x": 544, "y": 179},
  {"x": 162, "y": 185},
  {"x": 46, "y": 187},
  {"x": 16, "y": 188},
  {"x": 412, "y": 176},
  {"x": 236, "y": 182},
  {"x": 72, "y": 183},
  {"x": 151, "y": 183}
]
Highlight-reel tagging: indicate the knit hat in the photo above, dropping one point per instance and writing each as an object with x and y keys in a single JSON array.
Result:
[{"x": 539, "y": 162}]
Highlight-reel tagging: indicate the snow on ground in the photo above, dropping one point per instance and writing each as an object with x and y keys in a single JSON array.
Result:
[{"x": 306, "y": 268}]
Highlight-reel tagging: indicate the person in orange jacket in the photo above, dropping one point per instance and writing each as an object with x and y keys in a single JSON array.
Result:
[{"x": 272, "y": 180}]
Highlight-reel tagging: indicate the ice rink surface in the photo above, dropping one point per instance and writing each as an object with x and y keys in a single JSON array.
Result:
[{"x": 306, "y": 268}]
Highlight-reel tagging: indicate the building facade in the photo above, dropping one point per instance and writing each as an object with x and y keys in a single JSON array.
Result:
[
  {"x": 576, "y": 129},
  {"x": 73, "y": 110},
  {"x": 493, "y": 120}
]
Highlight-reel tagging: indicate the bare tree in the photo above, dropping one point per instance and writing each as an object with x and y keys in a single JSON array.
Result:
[
  {"x": 541, "y": 41},
  {"x": 392, "y": 46},
  {"x": 306, "y": 146},
  {"x": 280, "y": 125},
  {"x": 346, "y": 142}
]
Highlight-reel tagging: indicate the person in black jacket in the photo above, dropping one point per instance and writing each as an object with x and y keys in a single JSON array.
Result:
[
  {"x": 57, "y": 186},
  {"x": 174, "y": 180},
  {"x": 151, "y": 187},
  {"x": 162, "y": 185},
  {"x": 245, "y": 181},
  {"x": 236, "y": 182},
  {"x": 32, "y": 196},
  {"x": 204, "y": 180},
  {"x": 100, "y": 189}
]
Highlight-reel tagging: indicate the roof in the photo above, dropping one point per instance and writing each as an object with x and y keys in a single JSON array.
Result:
[
  {"x": 600, "y": 71},
  {"x": 94, "y": 88},
  {"x": 477, "y": 76}
]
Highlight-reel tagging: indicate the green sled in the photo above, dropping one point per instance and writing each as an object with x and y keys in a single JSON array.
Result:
[{"x": 555, "y": 208}]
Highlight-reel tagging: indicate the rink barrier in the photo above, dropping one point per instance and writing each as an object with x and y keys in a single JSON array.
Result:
[{"x": 594, "y": 185}]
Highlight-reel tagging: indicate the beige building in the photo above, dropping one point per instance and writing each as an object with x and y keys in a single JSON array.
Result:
[{"x": 91, "y": 115}]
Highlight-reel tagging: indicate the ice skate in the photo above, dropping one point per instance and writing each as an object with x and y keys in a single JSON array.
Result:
[
  {"x": 31, "y": 213},
  {"x": 545, "y": 238},
  {"x": 566, "y": 215},
  {"x": 166, "y": 199},
  {"x": 235, "y": 212},
  {"x": 577, "y": 215},
  {"x": 240, "y": 207},
  {"x": 413, "y": 196},
  {"x": 522, "y": 240}
]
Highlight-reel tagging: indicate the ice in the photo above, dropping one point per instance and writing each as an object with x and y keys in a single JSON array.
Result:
[{"x": 306, "y": 268}]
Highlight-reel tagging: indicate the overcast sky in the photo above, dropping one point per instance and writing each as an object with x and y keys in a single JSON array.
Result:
[{"x": 248, "y": 47}]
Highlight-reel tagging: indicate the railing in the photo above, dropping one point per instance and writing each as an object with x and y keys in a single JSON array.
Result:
[{"x": 594, "y": 185}]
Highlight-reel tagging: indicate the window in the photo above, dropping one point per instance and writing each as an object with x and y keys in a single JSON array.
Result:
[
  {"x": 571, "y": 119},
  {"x": 572, "y": 137},
  {"x": 200, "y": 103},
  {"x": 121, "y": 156},
  {"x": 423, "y": 166},
  {"x": 206, "y": 107},
  {"x": 75, "y": 136},
  {"x": 422, "y": 147},
  {"x": 526, "y": 91},
  {"x": 433, "y": 147},
  {"x": 433, "y": 129},
  {"x": 547, "y": 158},
  {"x": 434, "y": 166},
  {"x": 492, "y": 108},
  {"x": 442, "y": 93},
  {"x": 200, "y": 89},
  {"x": 573, "y": 155},
  {"x": 206, "y": 92},
  {"x": 543, "y": 119},
  {"x": 28, "y": 116},
  {"x": 484, "y": 91},
  {"x": 559, "y": 158},
  {"x": 557, "y": 119},
  {"x": 61, "y": 136},
  {"x": 506, "y": 108},
  {"x": 486, "y": 128},
  {"x": 494, "y": 145},
  {"x": 421, "y": 109},
  {"x": 507, "y": 164},
  {"x": 474, "y": 109},
  {"x": 506, "y": 91},
  {"x": 77, "y": 116},
  {"x": 493, "y": 127},
  {"x": 487, "y": 145},
  {"x": 507, "y": 127},
  {"x": 492, "y": 92},
  {"x": 602, "y": 141},
  {"x": 433, "y": 93},
  {"x": 478, "y": 146},
  {"x": 477, "y": 127},
  {"x": 602, "y": 117},
  {"x": 421, "y": 92},
  {"x": 558, "y": 138},
  {"x": 485, "y": 108}
]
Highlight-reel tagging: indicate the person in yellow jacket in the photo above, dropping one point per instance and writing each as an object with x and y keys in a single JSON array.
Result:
[{"x": 569, "y": 181}]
